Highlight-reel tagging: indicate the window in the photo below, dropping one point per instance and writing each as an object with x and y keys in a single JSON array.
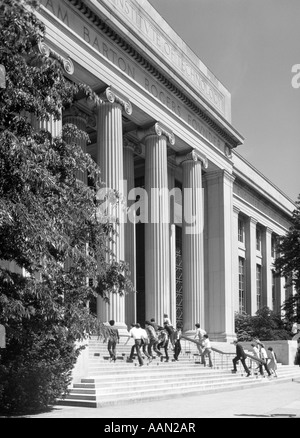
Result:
[
  {"x": 241, "y": 230},
  {"x": 242, "y": 285},
  {"x": 258, "y": 239},
  {"x": 258, "y": 287}
]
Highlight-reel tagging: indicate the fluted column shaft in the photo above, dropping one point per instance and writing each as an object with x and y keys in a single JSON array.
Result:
[
  {"x": 172, "y": 231},
  {"x": 110, "y": 160},
  {"x": 51, "y": 125},
  {"x": 235, "y": 258},
  {"x": 192, "y": 245},
  {"x": 129, "y": 232},
  {"x": 157, "y": 248}
]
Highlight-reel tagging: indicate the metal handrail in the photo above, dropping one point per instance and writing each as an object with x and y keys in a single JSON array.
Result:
[{"x": 225, "y": 356}]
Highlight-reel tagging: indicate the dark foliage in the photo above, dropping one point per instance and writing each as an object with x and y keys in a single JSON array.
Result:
[
  {"x": 287, "y": 265},
  {"x": 265, "y": 325},
  {"x": 51, "y": 238}
]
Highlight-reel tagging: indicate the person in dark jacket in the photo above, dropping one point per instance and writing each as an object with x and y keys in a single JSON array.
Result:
[{"x": 240, "y": 355}]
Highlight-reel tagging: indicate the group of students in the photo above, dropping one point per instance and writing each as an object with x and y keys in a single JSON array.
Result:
[
  {"x": 152, "y": 339},
  {"x": 265, "y": 360}
]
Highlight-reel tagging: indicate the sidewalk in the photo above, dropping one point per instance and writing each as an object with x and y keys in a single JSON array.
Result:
[{"x": 268, "y": 401}]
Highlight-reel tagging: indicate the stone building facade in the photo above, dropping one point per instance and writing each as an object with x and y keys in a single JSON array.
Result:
[{"x": 200, "y": 242}]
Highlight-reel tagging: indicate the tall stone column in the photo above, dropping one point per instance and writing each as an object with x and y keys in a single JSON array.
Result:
[
  {"x": 267, "y": 267},
  {"x": 172, "y": 231},
  {"x": 110, "y": 160},
  {"x": 192, "y": 240},
  {"x": 129, "y": 232},
  {"x": 157, "y": 239},
  {"x": 235, "y": 258},
  {"x": 250, "y": 237},
  {"x": 222, "y": 271}
]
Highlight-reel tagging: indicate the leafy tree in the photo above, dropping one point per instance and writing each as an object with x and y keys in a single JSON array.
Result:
[
  {"x": 287, "y": 264},
  {"x": 266, "y": 325},
  {"x": 49, "y": 222}
]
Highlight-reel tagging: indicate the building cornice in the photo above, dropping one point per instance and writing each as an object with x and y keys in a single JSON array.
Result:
[{"x": 228, "y": 134}]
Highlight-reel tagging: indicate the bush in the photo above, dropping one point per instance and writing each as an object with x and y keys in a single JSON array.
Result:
[
  {"x": 265, "y": 325},
  {"x": 35, "y": 372}
]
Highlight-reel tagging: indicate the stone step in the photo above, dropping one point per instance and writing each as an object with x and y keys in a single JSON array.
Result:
[
  {"x": 111, "y": 383},
  {"x": 140, "y": 373},
  {"x": 95, "y": 400},
  {"x": 152, "y": 367},
  {"x": 150, "y": 379},
  {"x": 159, "y": 385}
]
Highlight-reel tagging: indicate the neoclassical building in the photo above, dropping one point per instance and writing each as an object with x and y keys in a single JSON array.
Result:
[{"x": 200, "y": 241}]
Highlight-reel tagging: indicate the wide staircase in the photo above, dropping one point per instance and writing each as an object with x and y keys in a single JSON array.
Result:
[{"x": 120, "y": 382}]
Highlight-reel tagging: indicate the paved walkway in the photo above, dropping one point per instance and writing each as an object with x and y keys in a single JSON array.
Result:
[{"x": 269, "y": 401}]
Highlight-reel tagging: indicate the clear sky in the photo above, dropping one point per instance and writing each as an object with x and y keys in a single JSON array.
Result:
[{"x": 251, "y": 47}]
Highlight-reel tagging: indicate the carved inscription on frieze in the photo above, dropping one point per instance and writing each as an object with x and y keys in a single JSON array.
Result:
[{"x": 110, "y": 51}]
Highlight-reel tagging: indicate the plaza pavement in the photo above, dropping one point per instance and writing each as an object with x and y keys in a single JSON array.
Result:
[{"x": 272, "y": 400}]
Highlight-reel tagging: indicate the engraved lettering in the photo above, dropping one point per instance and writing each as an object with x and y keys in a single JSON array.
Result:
[
  {"x": 49, "y": 5},
  {"x": 96, "y": 44},
  {"x": 63, "y": 18},
  {"x": 86, "y": 34}
]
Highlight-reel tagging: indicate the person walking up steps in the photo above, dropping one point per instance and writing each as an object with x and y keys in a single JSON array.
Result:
[
  {"x": 199, "y": 336},
  {"x": 153, "y": 339},
  {"x": 132, "y": 327},
  {"x": 206, "y": 351},
  {"x": 264, "y": 357},
  {"x": 272, "y": 363},
  {"x": 257, "y": 366},
  {"x": 137, "y": 334},
  {"x": 240, "y": 355},
  {"x": 163, "y": 342},
  {"x": 170, "y": 329},
  {"x": 145, "y": 344},
  {"x": 113, "y": 339},
  {"x": 177, "y": 348}
]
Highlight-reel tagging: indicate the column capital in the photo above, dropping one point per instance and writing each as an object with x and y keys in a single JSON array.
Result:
[
  {"x": 269, "y": 230},
  {"x": 108, "y": 95},
  {"x": 193, "y": 156},
  {"x": 74, "y": 111},
  {"x": 136, "y": 148},
  {"x": 127, "y": 144},
  {"x": 156, "y": 129},
  {"x": 67, "y": 63}
]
